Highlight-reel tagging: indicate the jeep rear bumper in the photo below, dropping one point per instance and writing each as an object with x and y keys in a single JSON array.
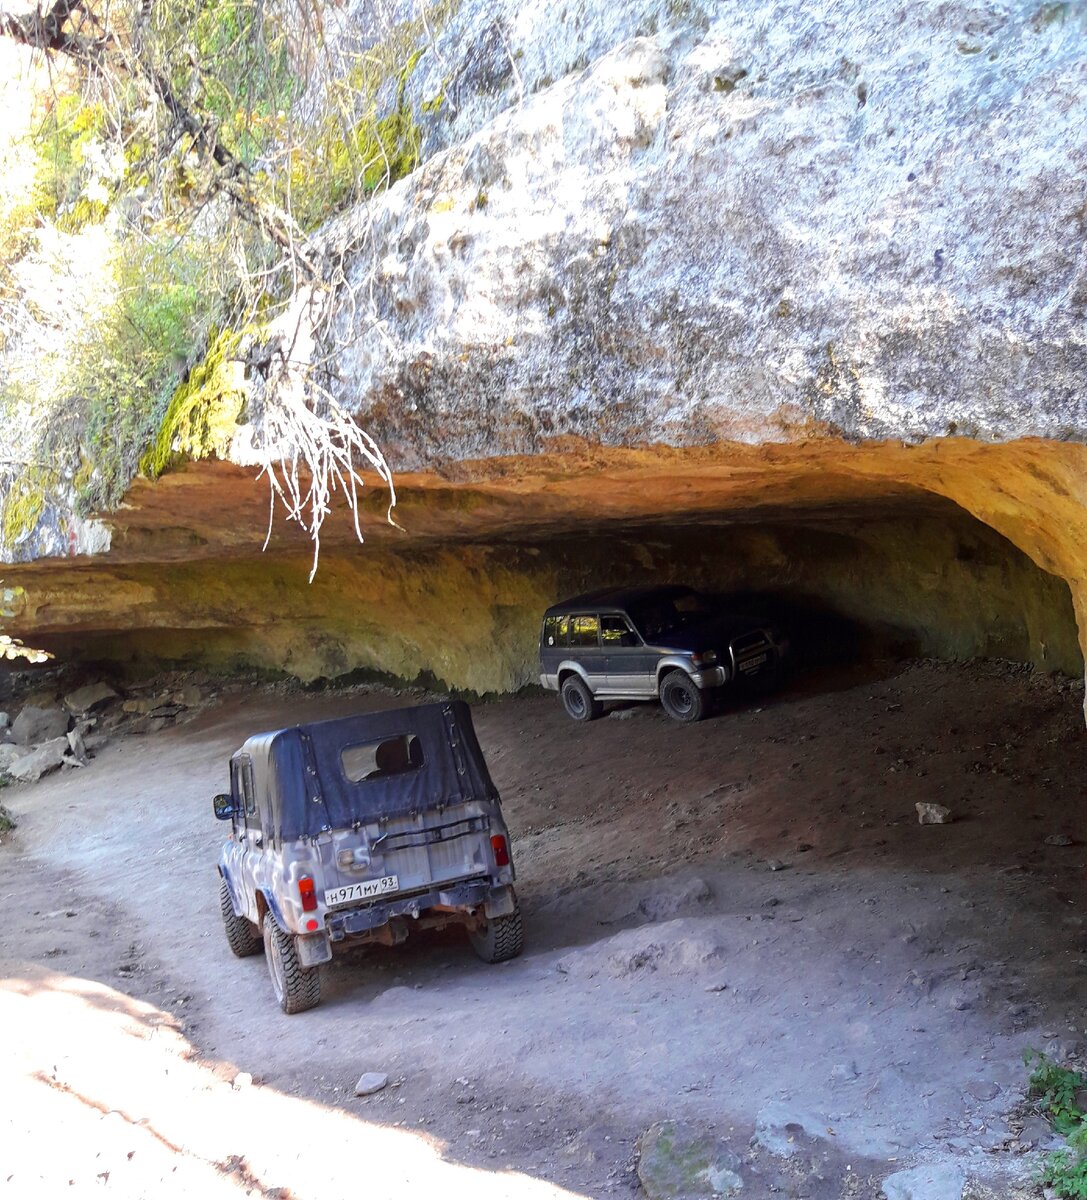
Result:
[{"x": 475, "y": 893}]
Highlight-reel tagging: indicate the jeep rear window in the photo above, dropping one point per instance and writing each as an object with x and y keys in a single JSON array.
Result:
[{"x": 378, "y": 760}]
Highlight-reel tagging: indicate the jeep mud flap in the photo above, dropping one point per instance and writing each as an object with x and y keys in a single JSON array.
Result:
[{"x": 313, "y": 948}]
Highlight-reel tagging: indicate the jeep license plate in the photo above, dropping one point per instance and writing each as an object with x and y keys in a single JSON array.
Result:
[
  {"x": 362, "y": 891},
  {"x": 753, "y": 664}
]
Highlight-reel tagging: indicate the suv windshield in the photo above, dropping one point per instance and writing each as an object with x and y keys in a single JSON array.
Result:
[{"x": 658, "y": 615}]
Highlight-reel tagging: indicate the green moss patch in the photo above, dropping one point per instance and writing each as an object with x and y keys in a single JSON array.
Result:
[{"x": 203, "y": 414}]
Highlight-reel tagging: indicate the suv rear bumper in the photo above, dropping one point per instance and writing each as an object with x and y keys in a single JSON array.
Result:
[{"x": 474, "y": 893}]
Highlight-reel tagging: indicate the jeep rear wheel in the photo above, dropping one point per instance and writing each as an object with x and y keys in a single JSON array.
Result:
[
  {"x": 682, "y": 699},
  {"x": 500, "y": 938},
  {"x": 296, "y": 987},
  {"x": 241, "y": 935},
  {"x": 579, "y": 702}
]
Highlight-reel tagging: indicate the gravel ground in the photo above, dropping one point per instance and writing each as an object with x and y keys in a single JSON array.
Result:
[{"x": 738, "y": 925}]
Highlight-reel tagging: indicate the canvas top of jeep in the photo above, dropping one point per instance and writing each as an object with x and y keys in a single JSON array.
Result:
[{"x": 332, "y": 775}]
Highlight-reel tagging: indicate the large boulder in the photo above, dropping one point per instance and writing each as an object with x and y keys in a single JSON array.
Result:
[
  {"x": 34, "y": 725},
  {"x": 89, "y": 698},
  {"x": 30, "y": 766}
]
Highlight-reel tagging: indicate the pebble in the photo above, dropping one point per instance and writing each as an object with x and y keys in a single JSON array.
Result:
[
  {"x": 932, "y": 814},
  {"x": 372, "y": 1081},
  {"x": 775, "y": 864},
  {"x": 1058, "y": 839}
]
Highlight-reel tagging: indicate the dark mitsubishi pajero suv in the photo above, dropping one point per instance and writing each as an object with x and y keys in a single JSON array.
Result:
[{"x": 643, "y": 643}]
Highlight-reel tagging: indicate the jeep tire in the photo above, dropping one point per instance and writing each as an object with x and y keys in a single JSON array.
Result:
[
  {"x": 241, "y": 935},
  {"x": 296, "y": 987},
  {"x": 682, "y": 699},
  {"x": 579, "y": 702},
  {"x": 500, "y": 938}
]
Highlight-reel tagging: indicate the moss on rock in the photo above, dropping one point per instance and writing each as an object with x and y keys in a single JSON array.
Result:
[{"x": 203, "y": 414}]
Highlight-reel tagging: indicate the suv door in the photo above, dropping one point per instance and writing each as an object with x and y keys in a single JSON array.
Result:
[
  {"x": 585, "y": 649},
  {"x": 631, "y": 666}
]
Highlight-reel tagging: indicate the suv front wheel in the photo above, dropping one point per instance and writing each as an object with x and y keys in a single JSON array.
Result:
[
  {"x": 578, "y": 701},
  {"x": 681, "y": 698}
]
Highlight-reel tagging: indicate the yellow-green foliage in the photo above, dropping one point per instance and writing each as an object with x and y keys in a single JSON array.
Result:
[
  {"x": 24, "y": 502},
  {"x": 62, "y": 141},
  {"x": 203, "y": 413}
]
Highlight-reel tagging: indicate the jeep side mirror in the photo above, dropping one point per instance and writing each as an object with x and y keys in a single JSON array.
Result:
[{"x": 223, "y": 805}]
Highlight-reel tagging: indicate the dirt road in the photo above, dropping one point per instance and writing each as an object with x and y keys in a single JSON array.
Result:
[{"x": 739, "y": 925}]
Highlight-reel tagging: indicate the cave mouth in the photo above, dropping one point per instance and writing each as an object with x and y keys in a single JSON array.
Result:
[{"x": 902, "y": 573}]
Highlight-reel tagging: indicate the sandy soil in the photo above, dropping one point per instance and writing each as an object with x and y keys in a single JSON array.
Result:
[{"x": 738, "y": 924}]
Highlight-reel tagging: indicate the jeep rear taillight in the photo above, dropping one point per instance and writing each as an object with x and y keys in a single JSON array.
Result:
[
  {"x": 501, "y": 851},
  {"x": 306, "y": 891}
]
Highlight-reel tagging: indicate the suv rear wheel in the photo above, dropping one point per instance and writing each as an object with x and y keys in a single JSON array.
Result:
[
  {"x": 241, "y": 934},
  {"x": 578, "y": 701},
  {"x": 296, "y": 987},
  {"x": 500, "y": 938},
  {"x": 682, "y": 699}
]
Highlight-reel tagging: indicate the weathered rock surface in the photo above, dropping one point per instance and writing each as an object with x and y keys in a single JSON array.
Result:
[
  {"x": 932, "y": 814},
  {"x": 782, "y": 1128},
  {"x": 711, "y": 232},
  {"x": 34, "y": 725},
  {"x": 678, "y": 1161},
  {"x": 31, "y": 765},
  {"x": 940, "y": 1181},
  {"x": 89, "y": 698}
]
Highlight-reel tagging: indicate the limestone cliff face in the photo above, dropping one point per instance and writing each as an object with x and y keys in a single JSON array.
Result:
[
  {"x": 758, "y": 223},
  {"x": 674, "y": 265}
]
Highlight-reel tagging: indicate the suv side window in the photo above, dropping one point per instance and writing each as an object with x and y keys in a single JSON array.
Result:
[
  {"x": 585, "y": 631},
  {"x": 616, "y": 631},
  {"x": 556, "y": 631}
]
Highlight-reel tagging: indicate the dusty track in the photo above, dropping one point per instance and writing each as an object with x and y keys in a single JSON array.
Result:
[{"x": 878, "y": 990}]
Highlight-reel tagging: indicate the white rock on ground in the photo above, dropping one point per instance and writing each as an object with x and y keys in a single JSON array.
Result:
[
  {"x": 77, "y": 746},
  {"x": 370, "y": 1082},
  {"x": 932, "y": 814}
]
